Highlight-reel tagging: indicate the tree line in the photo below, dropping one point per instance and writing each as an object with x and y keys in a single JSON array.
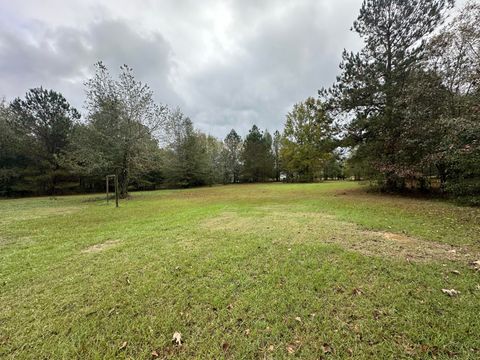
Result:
[
  {"x": 404, "y": 112},
  {"x": 46, "y": 148}
]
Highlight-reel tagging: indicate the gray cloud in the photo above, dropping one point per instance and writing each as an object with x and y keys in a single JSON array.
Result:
[
  {"x": 62, "y": 58},
  {"x": 227, "y": 64}
]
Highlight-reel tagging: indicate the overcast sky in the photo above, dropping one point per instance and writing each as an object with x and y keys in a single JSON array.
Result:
[{"x": 227, "y": 64}]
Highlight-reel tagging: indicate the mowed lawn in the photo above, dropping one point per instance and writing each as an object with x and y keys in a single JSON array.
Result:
[{"x": 242, "y": 272}]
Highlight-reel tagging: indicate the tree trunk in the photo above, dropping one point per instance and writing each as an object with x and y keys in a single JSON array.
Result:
[{"x": 124, "y": 177}]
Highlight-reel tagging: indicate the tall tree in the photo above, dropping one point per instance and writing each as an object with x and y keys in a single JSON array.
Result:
[
  {"x": 125, "y": 118},
  {"x": 454, "y": 56},
  {"x": 233, "y": 149},
  {"x": 215, "y": 164},
  {"x": 276, "y": 148},
  {"x": 308, "y": 141},
  {"x": 373, "y": 80},
  {"x": 257, "y": 156},
  {"x": 44, "y": 120},
  {"x": 188, "y": 159},
  {"x": 13, "y": 159}
]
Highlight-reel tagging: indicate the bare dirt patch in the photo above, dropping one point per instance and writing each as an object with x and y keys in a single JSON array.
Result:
[
  {"x": 299, "y": 227},
  {"x": 409, "y": 248},
  {"x": 100, "y": 247}
]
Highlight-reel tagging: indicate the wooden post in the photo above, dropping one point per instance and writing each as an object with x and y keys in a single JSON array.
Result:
[
  {"x": 116, "y": 190},
  {"x": 107, "y": 187}
]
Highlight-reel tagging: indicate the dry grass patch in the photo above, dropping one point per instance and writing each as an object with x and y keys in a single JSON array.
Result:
[
  {"x": 291, "y": 227},
  {"x": 26, "y": 215},
  {"x": 410, "y": 248},
  {"x": 100, "y": 247}
]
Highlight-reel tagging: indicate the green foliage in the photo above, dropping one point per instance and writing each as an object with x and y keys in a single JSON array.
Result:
[
  {"x": 413, "y": 97},
  {"x": 123, "y": 122},
  {"x": 334, "y": 168},
  {"x": 257, "y": 157},
  {"x": 38, "y": 132},
  {"x": 373, "y": 81},
  {"x": 276, "y": 150},
  {"x": 307, "y": 141},
  {"x": 193, "y": 158},
  {"x": 408, "y": 103},
  {"x": 460, "y": 152},
  {"x": 232, "y": 157}
]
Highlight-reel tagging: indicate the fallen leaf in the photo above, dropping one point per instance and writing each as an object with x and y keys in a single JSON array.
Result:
[
  {"x": 247, "y": 332},
  {"x": 154, "y": 354},
  {"x": 350, "y": 351},
  {"x": 123, "y": 346},
  {"x": 456, "y": 272},
  {"x": 177, "y": 338},
  {"x": 229, "y": 306},
  {"x": 326, "y": 348},
  {"x": 357, "y": 292},
  {"x": 271, "y": 348},
  {"x": 290, "y": 349},
  {"x": 476, "y": 265},
  {"x": 451, "y": 292},
  {"x": 298, "y": 318},
  {"x": 225, "y": 346}
]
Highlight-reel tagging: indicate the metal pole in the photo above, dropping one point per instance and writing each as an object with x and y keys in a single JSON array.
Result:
[{"x": 116, "y": 190}]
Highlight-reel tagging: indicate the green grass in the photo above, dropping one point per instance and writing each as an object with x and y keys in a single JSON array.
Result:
[{"x": 234, "y": 269}]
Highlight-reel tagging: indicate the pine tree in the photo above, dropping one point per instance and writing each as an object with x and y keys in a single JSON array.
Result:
[
  {"x": 44, "y": 121},
  {"x": 372, "y": 81}
]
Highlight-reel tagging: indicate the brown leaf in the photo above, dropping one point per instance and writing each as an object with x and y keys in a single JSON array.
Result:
[
  {"x": 247, "y": 332},
  {"x": 123, "y": 346},
  {"x": 357, "y": 292},
  {"x": 177, "y": 338},
  {"x": 229, "y": 306},
  {"x": 327, "y": 349},
  {"x": 290, "y": 349},
  {"x": 155, "y": 354},
  {"x": 299, "y": 319},
  {"x": 271, "y": 348},
  {"x": 225, "y": 346}
]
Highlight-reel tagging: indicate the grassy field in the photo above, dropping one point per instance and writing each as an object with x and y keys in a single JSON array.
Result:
[{"x": 242, "y": 272}]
